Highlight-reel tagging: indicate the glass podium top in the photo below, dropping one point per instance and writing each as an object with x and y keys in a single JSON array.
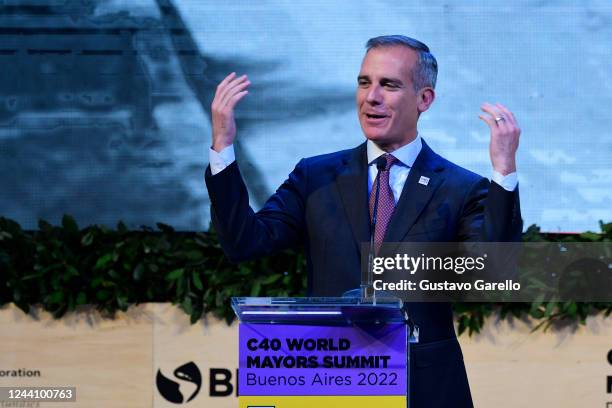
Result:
[{"x": 319, "y": 310}]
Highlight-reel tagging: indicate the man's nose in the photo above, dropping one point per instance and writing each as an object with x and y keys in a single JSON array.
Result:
[{"x": 374, "y": 95}]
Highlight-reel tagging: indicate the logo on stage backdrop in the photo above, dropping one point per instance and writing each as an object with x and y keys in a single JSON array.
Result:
[
  {"x": 609, "y": 381},
  {"x": 170, "y": 388},
  {"x": 186, "y": 381}
]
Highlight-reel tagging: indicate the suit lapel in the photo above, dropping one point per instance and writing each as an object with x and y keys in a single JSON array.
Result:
[
  {"x": 423, "y": 180},
  {"x": 352, "y": 182}
]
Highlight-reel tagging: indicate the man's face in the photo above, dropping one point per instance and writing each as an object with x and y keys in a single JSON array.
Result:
[{"x": 387, "y": 105}]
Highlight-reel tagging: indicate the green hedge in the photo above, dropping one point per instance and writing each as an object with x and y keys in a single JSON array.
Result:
[{"x": 63, "y": 267}]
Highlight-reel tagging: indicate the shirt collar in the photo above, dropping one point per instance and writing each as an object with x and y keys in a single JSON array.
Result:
[{"x": 406, "y": 154}]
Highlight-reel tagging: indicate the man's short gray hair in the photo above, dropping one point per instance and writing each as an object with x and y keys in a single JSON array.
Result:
[{"x": 426, "y": 70}]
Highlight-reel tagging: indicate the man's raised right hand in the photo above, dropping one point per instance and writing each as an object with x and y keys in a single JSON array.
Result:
[{"x": 231, "y": 90}]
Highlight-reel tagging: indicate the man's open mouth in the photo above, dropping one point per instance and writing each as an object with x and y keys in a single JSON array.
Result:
[{"x": 375, "y": 116}]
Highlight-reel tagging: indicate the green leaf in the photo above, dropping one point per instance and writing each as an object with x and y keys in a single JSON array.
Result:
[
  {"x": 187, "y": 306},
  {"x": 103, "y": 261},
  {"x": 23, "y": 306},
  {"x": 121, "y": 227},
  {"x": 197, "y": 282},
  {"x": 97, "y": 281},
  {"x": 175, "y": 274},
  {"x": 195, "y": 316},
  {"x": 550, "y": 307},
  {"x": 536, "y": 313},
  {"x": 571, "y": 309},
  {"x": 108, "y": 283},
  {"x": 33, "y": 276},
  {"x": 194, "y": 255},
  {"x": 138, "y": 271},
  {"x": 44, "y": 226},
  {"x": 88, "y": 238},
  {"x": 256, "y": 288},
  {"x": 70, "y": 272},
  {"x": 122, "y": 302},
  {"x": 81, "y": 298},
  {"x": 69, "y": 224},
  {"x": 56, "y": 297},
  {"x": 103, "y": 295},
  {"x": 165, "y": 228},
  {"x": 5, "y": 236},
  {"x": 201, "y": 243},
  {"x": 271, "y": 279}
]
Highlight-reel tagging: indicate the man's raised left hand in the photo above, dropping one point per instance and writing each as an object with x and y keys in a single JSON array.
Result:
[{"x": 505, "y": 134}]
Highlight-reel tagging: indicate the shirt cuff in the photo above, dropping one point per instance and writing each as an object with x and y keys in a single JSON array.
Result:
[
  {"x": 220, "y": 160},
  {"x": 508, "y": 182}
]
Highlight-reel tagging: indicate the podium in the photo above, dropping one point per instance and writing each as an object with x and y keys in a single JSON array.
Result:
[{"x": 323, "y": 352}]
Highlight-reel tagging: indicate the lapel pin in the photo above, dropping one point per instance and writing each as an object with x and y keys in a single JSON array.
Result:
[{"x": 424, "y": 180}]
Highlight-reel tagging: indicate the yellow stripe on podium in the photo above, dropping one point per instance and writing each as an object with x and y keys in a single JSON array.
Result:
[{"x": 390, "y": 401}]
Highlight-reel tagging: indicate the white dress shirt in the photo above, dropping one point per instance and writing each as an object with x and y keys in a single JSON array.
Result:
[{"x": 406, "y": 155}]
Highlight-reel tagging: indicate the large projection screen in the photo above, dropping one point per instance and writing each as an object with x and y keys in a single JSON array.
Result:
[{"x": 105, "y": 111}]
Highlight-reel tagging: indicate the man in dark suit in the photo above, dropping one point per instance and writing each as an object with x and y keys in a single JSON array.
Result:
[{"x": 326, "y": 203}]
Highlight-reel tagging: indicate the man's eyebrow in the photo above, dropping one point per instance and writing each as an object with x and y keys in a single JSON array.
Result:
[
  {"x": 383, "y": 81},
  {"x": 392, "y": 81}
]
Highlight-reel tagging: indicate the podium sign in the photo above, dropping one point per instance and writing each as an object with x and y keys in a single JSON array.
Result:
[{"x": 339, "y": 364}]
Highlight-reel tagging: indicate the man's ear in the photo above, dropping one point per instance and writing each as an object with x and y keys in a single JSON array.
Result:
[{"x": 426, "y": 97}]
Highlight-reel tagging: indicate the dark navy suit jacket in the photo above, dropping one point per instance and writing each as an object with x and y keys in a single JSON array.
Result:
[{"x": 323, "y": 205}]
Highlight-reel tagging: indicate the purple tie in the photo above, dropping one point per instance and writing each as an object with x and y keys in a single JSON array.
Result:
[{"x": 386, "y": 203}]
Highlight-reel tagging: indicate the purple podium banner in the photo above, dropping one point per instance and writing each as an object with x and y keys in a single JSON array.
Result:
[{"x": 322, "y": 360}]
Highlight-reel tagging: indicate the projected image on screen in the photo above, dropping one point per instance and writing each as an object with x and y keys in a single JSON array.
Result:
[{"x": 105, "y": 111}]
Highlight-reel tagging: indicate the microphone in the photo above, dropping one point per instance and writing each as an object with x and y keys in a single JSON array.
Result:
[{"x": 381, "y": 163}]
